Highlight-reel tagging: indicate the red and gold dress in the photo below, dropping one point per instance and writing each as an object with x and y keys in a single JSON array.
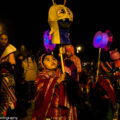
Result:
[{"x": 50, "y": 99}]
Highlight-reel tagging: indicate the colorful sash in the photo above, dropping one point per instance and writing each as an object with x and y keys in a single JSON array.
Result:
[{"x": 10, "y": 95}]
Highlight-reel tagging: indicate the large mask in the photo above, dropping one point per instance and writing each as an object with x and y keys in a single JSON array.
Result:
[
  {"x": 114, "y": 54},
  {"x": 60, "y": 18}
]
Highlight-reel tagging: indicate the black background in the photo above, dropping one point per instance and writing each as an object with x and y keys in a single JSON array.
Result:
[{"x": 27, "y": 21}]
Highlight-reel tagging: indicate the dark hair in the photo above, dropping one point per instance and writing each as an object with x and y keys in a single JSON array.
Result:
[
  {"x": 45, "y": 56},
  {"x": 41, "y": 59},
  {"x": 4, "y": 33}
]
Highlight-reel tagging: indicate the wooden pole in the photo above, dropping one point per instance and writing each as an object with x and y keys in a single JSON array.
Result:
[
  {"x": 98, "y": 66},
  {"x": 61, "y": 56}
]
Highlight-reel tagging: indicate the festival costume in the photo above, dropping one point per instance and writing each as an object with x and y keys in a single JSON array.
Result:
[
  {"x": 115, "y": 56},
  {"x": 105, "y": 93},
  {"x": 50, "y": 99},
  {"x": 7, "y": 83}
]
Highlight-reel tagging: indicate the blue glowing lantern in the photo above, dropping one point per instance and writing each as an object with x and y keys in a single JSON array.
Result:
[
  {"x": 100, "y": 40},
  {"x": 47, "y": 40}
]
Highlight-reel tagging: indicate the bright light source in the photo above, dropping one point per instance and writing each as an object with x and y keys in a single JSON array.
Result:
[{"x": 79, "y": 48}]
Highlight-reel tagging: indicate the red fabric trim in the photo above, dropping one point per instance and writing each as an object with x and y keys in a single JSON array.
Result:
[
  {"x": 105, "y": 83},
  {"x": 42, "y": 103}
]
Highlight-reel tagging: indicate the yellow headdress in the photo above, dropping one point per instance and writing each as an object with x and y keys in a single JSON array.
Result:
[{"x": 58, "y": 12}]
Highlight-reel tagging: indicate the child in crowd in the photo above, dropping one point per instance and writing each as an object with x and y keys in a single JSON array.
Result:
[{"x": 50, "y": 99}]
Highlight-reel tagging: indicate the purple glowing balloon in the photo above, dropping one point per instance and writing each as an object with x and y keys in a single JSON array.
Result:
[
  {"x": 100, "y": 40},
  {"x": 47, "y": 40},
  {"x": 104, "y": 40}
]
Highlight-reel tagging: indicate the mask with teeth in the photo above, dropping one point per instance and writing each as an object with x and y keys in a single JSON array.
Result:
[{"x": 60, "y": 18}]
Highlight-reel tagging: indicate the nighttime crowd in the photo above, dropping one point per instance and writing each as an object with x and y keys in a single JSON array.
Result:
[
  {"x": 55, "y": 84},
  {"x": 38, "y": 86}
]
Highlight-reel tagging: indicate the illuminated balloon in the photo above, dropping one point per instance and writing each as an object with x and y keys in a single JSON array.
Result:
[
  {"x": 104, "y": 40},
  {"x": 47, "y": 40},
  {"x": 100, "y": 40}
]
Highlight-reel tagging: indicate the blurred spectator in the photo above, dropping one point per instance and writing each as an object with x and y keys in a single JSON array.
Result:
[
  {"x": 69, "y": 54},
  {"x": 7, "y": 83}
]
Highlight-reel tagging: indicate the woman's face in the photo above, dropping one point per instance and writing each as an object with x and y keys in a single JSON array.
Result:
[
  {"x": 3, "y": 40},
  {"x": 50, "y": 62}
]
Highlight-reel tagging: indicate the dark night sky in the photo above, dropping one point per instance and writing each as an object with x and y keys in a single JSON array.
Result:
[{"x": 26, "y": 22}]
